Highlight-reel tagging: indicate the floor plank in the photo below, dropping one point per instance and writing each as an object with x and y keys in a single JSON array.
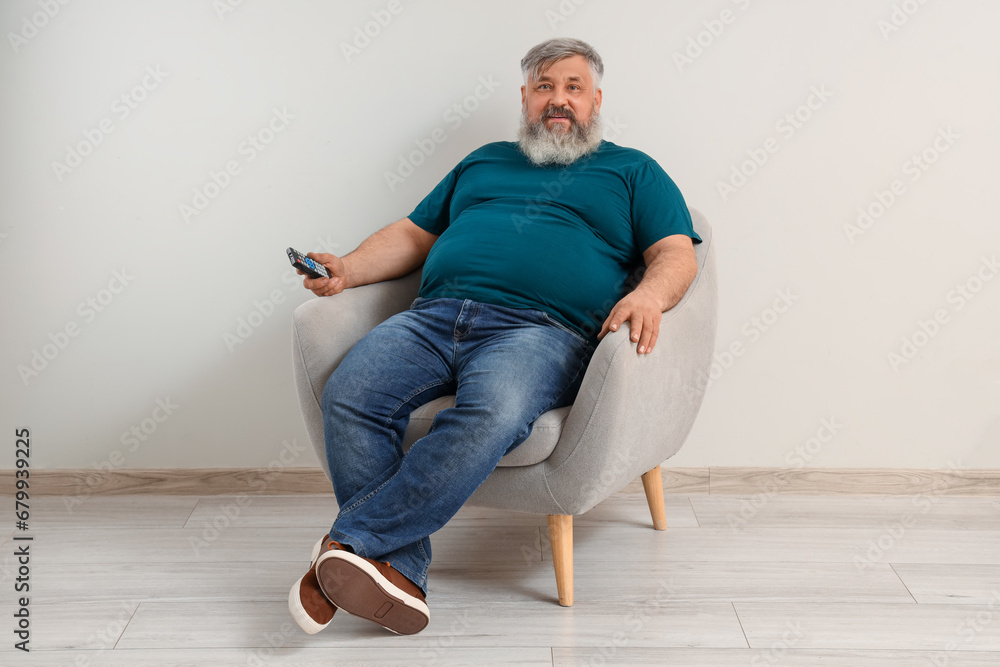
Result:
[
  {"x": 633, "y": 510},
  {"x": 658, "y": 657},
  {"x": 608, "y": 581},
  {"x": 837, "y": 625},
  {"x": 136, "y": 510},
  {"x": 266, "y": 656},
  {"x": 933, "y": 583},
  {"x": 864, "y": 546},
  {"x": 91, "y": 626},
  {"x": 926, "y": 512}
]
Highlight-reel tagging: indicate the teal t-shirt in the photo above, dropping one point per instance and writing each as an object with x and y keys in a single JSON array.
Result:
[{"x": 563, "y": 240}]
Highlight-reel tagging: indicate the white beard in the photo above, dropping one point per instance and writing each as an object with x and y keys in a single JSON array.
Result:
[{"x": 543, "y": 146}]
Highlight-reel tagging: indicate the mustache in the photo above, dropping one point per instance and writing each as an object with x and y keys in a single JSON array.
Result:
[{"x": 558, "y": 111}]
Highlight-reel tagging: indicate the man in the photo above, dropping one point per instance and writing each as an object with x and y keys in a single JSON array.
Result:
[{"x": 525, "y": 249}]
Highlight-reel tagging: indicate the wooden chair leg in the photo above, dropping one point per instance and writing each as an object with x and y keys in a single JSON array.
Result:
[
  {"x": 652, "y": 484},
  {"x": 561, "y": 538}
]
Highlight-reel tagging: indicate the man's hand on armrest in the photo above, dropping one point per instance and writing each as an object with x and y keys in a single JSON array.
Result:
[
  {"x": 391, "y": 252},
  {"x": 670, "y": 268}
]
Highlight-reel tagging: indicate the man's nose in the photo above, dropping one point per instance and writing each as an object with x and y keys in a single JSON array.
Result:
[{"x": 558, "y": 98}]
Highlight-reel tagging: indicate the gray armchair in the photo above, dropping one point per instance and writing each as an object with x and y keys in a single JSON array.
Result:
[{"x": 632, "y": 412}]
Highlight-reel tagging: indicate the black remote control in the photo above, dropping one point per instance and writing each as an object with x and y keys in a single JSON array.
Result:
[{"x": 306, "y": 265}]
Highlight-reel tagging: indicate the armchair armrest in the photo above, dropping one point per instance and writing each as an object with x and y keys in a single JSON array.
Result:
[{"x": 635, "y": 411}]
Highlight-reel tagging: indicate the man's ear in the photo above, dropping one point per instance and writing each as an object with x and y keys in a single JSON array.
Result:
[
  {"x": 523, "y": 89},
  {"x": 598, "y": 95}
]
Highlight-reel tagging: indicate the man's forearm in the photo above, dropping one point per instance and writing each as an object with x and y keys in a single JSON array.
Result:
[
  {"x": 391, "y": 252},
  {"x": 670, "y": 267},
  {"x": 668, "y": 276}
]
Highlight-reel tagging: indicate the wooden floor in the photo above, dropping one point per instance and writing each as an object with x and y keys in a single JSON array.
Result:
[{"x": 735, "y": 580}]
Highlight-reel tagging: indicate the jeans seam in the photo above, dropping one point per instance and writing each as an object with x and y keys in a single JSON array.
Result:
[
  {"x": 369, "y": 495},
  {"x": 348, "y": 540},
  {"x": 559, "y": 325},
  {"x": 472, "y": 323},
  {"x": 388, "y": 426},
  {"x": 409, "y": 397}
]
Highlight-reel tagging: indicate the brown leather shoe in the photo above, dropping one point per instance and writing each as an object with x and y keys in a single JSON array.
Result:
[
  {"x": 373, "y": 590},
  {"x": 309, "y": 607}
]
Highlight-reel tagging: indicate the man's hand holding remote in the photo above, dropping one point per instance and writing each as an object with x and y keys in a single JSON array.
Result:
[{"x": 326, "y": 286}]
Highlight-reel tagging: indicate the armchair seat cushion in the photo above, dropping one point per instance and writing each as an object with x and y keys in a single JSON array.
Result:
[{"x": 539, "y": 445}]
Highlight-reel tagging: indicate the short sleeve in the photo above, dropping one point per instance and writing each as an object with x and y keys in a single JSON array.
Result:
[
  {"x": 658, "y": 208},
  {"x": 433, "y": 214}
]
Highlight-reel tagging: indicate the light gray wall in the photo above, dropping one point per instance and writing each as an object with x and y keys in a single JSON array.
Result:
[{"x": 170, "y": 290}]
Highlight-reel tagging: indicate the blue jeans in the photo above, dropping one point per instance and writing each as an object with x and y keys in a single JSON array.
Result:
[{"x": 505, "y": 366}]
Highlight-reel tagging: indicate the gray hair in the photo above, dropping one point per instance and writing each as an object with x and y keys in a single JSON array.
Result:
[{"x": 542, "y": 56}]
